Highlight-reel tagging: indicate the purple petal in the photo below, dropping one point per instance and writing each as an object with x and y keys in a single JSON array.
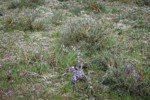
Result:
[
  {"x": 0, "y": 65},
  {"x": 79, "y": 74},
  {"x": 74, "y": 75},
  {"x": 136, "y": 74}
]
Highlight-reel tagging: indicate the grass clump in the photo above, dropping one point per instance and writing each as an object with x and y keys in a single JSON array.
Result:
[
  {"x": 13, "y": 4},
  {"x": 23, "y": 21}
]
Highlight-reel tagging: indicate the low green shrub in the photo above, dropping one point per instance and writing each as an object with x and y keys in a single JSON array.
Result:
[{"x": 128, "y": 81}]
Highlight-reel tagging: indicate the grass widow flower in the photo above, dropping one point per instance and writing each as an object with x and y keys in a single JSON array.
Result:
[
  {"x": 0, "y": 66},
  {"x": 136, "y": 74}
]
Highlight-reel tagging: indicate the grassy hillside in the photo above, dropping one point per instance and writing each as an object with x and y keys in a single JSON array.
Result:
[{"x": 41, "y": 41}]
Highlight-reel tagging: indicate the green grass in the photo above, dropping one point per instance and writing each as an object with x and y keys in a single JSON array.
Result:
[{"x": 37, "y": 46}]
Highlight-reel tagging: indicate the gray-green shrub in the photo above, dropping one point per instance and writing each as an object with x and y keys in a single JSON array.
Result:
[{"x": 87, "y": 32}]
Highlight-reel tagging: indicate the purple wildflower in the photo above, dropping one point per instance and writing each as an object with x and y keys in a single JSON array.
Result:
[
  {"x": 74, "y": 75},
  {"x": 73, "y": 48},
  {"x": 0, "y": 66},
  {"x": 79, "y": 74},
  {"x": 66, "y": 50},
  {"x": 128, "y": 69},
  {"x": 74, "y": 78},
  {"x": 78, "y": 61},
  {"x": 136, "y": 74},
  {"x": 44, "y": 46}
]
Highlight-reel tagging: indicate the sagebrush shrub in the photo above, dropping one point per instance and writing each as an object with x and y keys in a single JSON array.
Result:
[{"x": 87, "y": 32}]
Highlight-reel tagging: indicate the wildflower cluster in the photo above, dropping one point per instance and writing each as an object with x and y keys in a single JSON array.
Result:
[
  {"x": 66, "y": 49},
  {"x": 78, "y": 72},
  {"x": 131, "y": 70},
  {"x": 36, "y": 52}
]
